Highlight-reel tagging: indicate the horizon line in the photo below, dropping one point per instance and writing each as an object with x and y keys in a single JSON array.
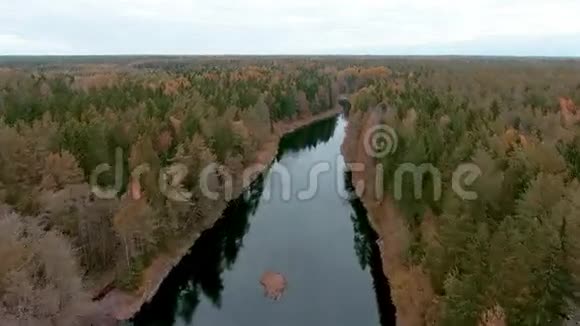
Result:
[{"x": 287, "y": 55}]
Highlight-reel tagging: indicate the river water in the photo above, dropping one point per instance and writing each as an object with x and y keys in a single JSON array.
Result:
[{"x": 320, "y": 241}]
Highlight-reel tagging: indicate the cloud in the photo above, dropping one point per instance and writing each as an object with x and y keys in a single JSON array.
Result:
[{"x": 283, "y": 26}]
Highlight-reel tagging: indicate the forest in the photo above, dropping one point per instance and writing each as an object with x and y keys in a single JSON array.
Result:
[
  {"x": 510, "y": 257},
  {"x": 60, "y": 122}
]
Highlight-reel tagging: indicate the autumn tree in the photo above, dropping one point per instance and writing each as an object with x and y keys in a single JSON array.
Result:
[
  {"x": 40, "y": 278},
  {"x": 60, "y": 169}
]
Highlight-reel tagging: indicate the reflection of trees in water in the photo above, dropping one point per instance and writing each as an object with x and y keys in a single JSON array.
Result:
[
  {"x": 201, "y": 270},
  {"x": 188, "y": 299},
  {"x": 364, "y": 236},
  {"x": 306, "y": 138},
  {"x": 369, "y": 255}
]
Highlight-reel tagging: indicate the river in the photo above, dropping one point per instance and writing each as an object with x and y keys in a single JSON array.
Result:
[{"x": 321, "y": 243}]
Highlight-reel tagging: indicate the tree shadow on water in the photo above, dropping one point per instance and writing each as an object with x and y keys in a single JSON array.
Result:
[
  {"x": 200, "y": 272},
  {"x": 369, "y": 255},
  {"x": 307, "y": 137}
]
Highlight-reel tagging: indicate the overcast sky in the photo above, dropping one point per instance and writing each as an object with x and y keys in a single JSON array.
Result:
[{"x": 503, "y": 27}]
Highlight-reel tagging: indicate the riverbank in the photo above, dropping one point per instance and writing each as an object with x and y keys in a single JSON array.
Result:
[
  {"x": 411, "y": 290},
  {"x": 121, "y": 305}
]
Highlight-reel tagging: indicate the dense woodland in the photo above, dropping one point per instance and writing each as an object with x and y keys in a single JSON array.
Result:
[
  {"x": 59, "y": 123},
  {"x": 509, "y": 256}
]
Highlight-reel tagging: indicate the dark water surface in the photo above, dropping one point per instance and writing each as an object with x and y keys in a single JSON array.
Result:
[{"x": 324, "y": 246}]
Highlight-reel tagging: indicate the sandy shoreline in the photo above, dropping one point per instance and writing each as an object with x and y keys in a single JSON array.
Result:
[{"x": 411, "y": 291}]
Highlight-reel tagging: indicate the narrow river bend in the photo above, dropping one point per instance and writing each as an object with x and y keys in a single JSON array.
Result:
[{"x": 324, "y": 247}]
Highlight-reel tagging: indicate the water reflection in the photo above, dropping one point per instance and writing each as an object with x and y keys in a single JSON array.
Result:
[
  {"x": 200, "y": 272},
  {"x": 369, "y": 255},
  {"x": 217, "y": 283},
  {"x": 307, "y": 137}
]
